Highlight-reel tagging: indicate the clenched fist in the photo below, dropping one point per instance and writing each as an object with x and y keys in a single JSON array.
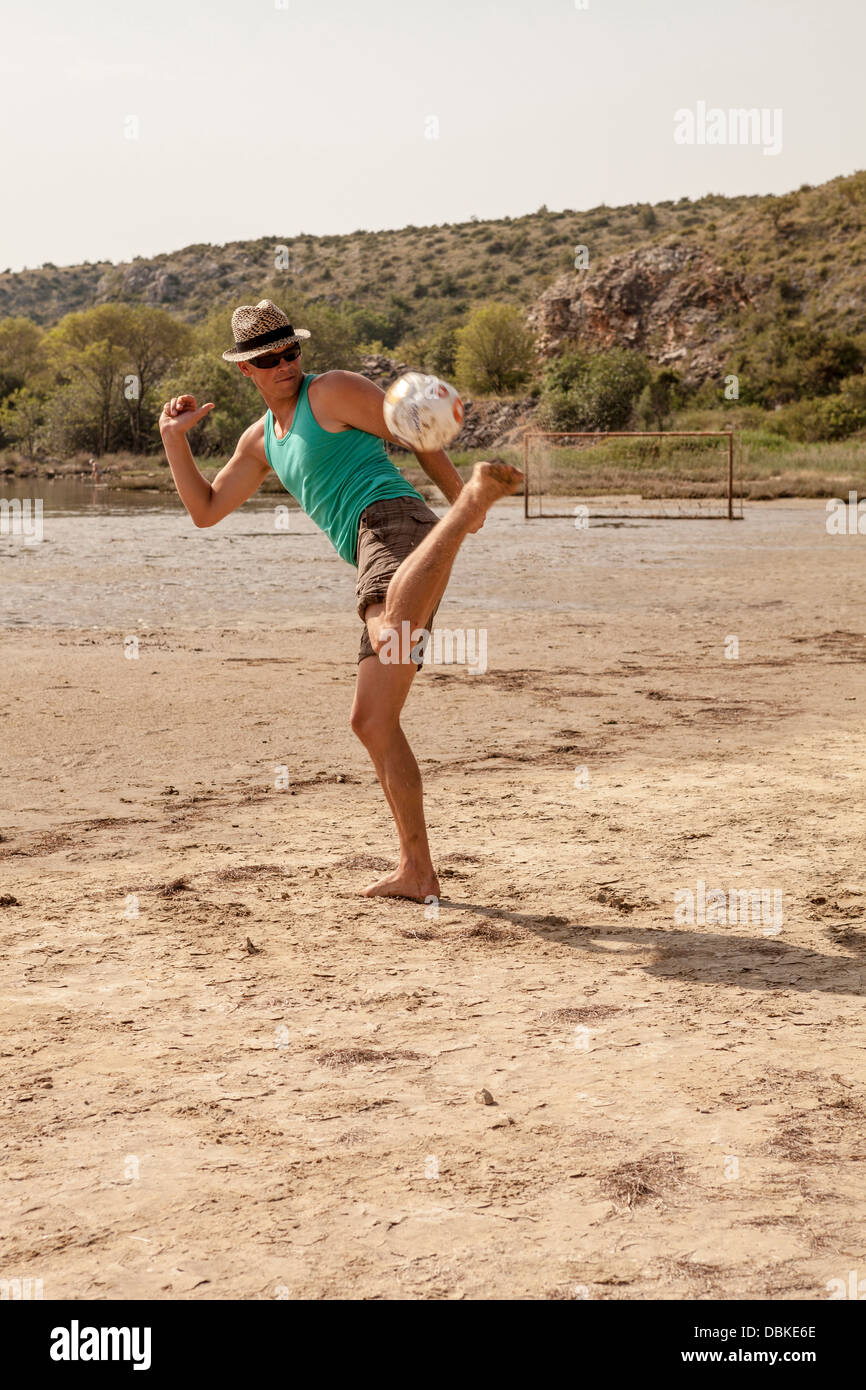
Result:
[{"x": 180, "y": 414}]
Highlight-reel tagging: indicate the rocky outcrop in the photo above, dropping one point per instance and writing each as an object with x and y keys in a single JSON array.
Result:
[
  {"x": 384, "y": 370},
  {"x": 668, "y": 302},
  {"x": 490, "y": 423},
  {"x": 486, "y": 423},
  {"x": 142, "y": 281}
]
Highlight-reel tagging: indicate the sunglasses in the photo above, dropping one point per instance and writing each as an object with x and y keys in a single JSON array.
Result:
[{"x": 273, "y": 359}]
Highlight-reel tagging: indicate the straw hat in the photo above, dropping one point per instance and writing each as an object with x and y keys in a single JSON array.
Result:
[{"x": 261, "y": 328}]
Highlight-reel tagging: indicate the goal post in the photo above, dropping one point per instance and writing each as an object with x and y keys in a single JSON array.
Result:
[{"x": 646, "y": 474}]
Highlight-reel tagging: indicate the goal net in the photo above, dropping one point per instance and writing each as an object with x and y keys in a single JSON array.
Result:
[{"x": 649, "y": 474}]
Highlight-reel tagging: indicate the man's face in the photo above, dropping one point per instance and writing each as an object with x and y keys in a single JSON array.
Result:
[{"x": 276, "y": 373}]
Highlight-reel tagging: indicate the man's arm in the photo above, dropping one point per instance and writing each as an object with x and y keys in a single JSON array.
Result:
[
  {"x": 346, "y": 398},
  {"x": 207, "y": 503}
]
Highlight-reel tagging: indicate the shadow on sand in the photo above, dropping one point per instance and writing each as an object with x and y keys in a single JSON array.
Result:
[{"x": 706, "y": 956}]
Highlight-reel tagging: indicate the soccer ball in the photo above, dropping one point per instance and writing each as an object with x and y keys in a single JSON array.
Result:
[{"x": 423, "y": 412}]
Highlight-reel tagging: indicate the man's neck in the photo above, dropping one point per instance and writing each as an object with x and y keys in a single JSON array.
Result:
[{"x": 283, "y": 406}]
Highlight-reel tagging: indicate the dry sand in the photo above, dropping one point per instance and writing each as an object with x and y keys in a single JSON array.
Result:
[{"x": 266, "y": 1086}]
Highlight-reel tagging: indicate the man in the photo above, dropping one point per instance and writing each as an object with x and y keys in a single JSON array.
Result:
[{"x": 322, "y": 435}]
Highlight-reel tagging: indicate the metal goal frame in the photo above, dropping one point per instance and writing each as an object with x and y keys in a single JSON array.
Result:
[{"x": 635, "y": 434}]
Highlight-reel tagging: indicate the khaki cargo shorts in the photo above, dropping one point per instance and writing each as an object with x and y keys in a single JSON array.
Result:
[{"x": 388, "y": 531}]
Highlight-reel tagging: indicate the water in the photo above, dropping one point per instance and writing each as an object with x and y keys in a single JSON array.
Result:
[{"x": 114, "y": 559}]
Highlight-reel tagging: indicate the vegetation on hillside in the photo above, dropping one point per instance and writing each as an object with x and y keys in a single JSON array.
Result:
[{"x": 88, "y": 353}]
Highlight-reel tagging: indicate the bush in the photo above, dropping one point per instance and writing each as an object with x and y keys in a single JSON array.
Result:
[
  {"x": 448, "y": 285},
  {"x": 659, "y": 399},
  {"x": 366, "y": 324},
  {"x": 853, "y": 389},
  {"x": 785, "y": 362},
  {"x": 565, "y": 371},
  {"x": 592, "y": 393},
  {"x": 440, "y": 351},
  {"x": 826, "y": 418},
  {"x": 494, "y": 349}
]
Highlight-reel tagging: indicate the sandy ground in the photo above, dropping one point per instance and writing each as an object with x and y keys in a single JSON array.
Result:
[{"x": 265, "y": 1086}]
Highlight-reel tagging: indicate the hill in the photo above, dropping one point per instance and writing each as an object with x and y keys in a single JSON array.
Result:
[{"x": 801, "y": 254}]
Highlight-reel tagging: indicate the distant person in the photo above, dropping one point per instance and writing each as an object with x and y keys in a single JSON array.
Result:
[
  {"x": 95, "y": 470},
  {"x": 322, "y": 436}
]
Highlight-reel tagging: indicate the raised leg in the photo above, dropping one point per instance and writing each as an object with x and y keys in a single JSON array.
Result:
[{"x": 419, "y": 583}]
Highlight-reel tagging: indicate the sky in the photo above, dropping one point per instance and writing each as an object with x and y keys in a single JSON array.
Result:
[{"x": 134, "y": 129}]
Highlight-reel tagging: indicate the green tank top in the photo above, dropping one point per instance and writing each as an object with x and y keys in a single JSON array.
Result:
[{"x": 333, "y": 477}]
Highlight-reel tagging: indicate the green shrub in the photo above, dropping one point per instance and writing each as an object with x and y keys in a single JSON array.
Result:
[
  {"x": 494, "y": 349},
  {"x": 433, "y": 352},
  {"x": 565, "y": 370},
  {"x": 659, "y": 399},
  {"x": 364, "y": 324},
  {"x": 441, "y": 351},
  {"x": 826, "y": 418},
  {"x": 592, "y": 393},
  {"x": 784, "y": 361},
  {"x": 853, "y": 390}
]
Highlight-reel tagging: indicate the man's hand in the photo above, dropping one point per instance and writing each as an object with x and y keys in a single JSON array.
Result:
[{"x": 180, "y": 414}]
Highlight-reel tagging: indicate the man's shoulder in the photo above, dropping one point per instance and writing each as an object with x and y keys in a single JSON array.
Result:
[
  {"x": 333, "y": 396},
  {"x": 328, "y": 384}
]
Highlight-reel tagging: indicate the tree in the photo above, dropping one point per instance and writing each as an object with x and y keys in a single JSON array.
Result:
[
  {"x": 19, "y": 353},
  {"x": 154, "y": 341},
  {"x": 374, "y": 325},
  {"x": 441, "y": 351},
  {"x": 332, "y": 343},
  {"x": 494, "y": 349},
  {"x": 783, "y": 361},
  {"x": 70, "y": 424},
  {"x": 206, "y": 377},
  {"x": 659, "y": 399},
  {"x": 88, "y": 349},
  {"x": 21, "y": 416}
]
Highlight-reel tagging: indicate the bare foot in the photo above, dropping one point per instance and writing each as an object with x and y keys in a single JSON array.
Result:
[
  {"x": 490, "y": 481},
  {"x": 405, "y": 883}
]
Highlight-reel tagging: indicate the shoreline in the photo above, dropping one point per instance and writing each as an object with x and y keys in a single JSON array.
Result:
[{"x": 152, "y": 477}]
